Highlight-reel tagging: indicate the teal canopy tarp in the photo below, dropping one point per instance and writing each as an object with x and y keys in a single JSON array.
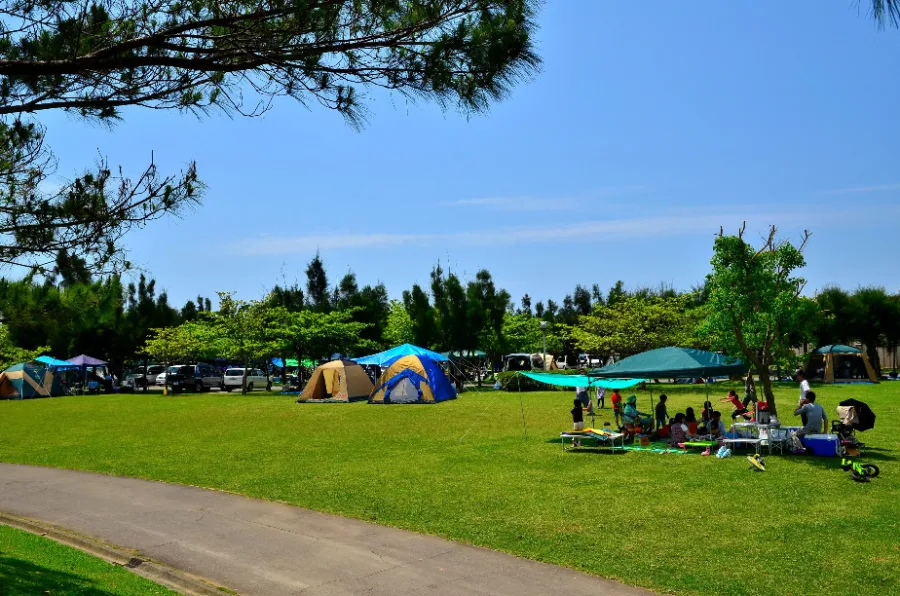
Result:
[
  {"x": 837, "y": 349},
  {"x": 582, "y": 381},
  {"x": 671, "y": 363},
  {"x": 55, "y": 362},
  {"x": 386, "y": 358}
]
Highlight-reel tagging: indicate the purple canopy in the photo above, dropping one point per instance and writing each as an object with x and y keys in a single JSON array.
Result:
[{"x": 85, "y": 360}]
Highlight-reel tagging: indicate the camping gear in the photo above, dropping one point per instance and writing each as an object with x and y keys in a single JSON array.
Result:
[
  {"x": 673, "y": 363},
  {"x": 822, "y": 445},
  {"x": 864, "y": 414},
  {"x": 844, "y": 428},
  {"x": 600, "y": 436},
  {"x": 413, "y": 379},
  {"x": 83, "y": 360},
  {"x": 23, "y": 381},
  {"x": 337, "y": 381},
  {"x": 581, "y": 380},
  {"x": 388, "y": 357},
  {"x": 840, "y": 364},
  {"x": 56, "y": 363}
]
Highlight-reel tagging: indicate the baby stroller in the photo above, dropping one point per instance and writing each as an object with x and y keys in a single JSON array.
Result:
[{"x": 853, "y": 415}]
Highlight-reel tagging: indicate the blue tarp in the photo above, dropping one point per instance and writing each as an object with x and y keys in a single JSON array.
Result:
[
  {"x": 386, "y": 358},
  {"x": 55, "y": 362},
  {"x": 672, "y": 363},
  {"x": 582, "y": 381}
]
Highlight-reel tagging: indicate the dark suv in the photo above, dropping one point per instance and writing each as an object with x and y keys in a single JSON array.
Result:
[{"x": 196, "y": 377}]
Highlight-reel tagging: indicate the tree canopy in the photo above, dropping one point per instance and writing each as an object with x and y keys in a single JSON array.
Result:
[{"x": 93, "y": 58}]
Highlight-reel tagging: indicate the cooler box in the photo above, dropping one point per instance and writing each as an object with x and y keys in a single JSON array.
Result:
[{"x": 822, "y": 445}]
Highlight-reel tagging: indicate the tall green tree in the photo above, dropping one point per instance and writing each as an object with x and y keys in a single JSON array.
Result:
[
  {"x": 399, "y": 326},
  {"x": 317, "y": 293},
  {"x": 635, "y": 324},
  {"x": 93, "y": 59},
  {"x": 756, "y": 303},
  {"x": 422, "y": 314}
]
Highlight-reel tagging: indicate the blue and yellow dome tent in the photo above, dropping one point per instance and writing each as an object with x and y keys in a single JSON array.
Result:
[{"x": 412, "y": 380}]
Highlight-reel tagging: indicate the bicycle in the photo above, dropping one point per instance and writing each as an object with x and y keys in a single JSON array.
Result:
[{"x": 859, "y": 472}]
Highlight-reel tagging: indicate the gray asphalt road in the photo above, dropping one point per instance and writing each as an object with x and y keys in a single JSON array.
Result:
[{"x": 256, "y": 547}]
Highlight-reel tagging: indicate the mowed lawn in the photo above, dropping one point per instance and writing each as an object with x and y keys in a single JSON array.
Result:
[
  {"x": 465, "y": 470},
  {"x": 32, "y": 565}
]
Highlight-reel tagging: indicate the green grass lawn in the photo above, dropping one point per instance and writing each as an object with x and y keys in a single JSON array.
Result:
[
  {"x": 464, "y": 470},
  {"x": 31, "y": 565}
]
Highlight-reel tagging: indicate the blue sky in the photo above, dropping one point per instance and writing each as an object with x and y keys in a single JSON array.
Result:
[{"x": 651, "y": 124}]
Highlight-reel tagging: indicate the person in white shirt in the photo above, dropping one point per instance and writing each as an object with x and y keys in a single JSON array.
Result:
[{"x": 804, "y": 391}]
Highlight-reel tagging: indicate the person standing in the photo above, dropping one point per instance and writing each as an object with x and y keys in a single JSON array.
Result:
[
  {"x": 601, "y": 398},
  {"x": 582, "y": 393},
  {"x": 804, "y": 392},
  {"x": 616, "y": 401}
]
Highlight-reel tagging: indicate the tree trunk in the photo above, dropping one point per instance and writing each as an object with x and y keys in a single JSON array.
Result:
[
  {"x": 766, "y": 380},
  {"x": 874, "y": 360}
]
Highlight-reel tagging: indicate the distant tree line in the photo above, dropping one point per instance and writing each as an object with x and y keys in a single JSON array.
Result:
[{"x": 106, "y": 318}]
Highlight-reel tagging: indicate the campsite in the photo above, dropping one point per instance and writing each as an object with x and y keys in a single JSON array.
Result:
[{"x": 449, "y": 298}]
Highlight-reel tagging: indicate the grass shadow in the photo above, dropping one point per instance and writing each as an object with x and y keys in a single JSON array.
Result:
[{"x": 23, "y": 578}]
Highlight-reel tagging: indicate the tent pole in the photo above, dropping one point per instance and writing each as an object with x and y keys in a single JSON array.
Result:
[{"x": 522, "y": 406}]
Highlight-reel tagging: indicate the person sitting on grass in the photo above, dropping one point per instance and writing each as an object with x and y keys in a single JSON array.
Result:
[
  {"x": 691, "y": 420},
  {"x": 717, "y": 425},
  {"x": 631, "y": 416},
  {"x": 816, "y": 421},
  {"x": 661, "y": 414},
  {"x": 706, "y": 414},
  {"x": 678, "y": 431},
  {"x": 739, "y": 408}
]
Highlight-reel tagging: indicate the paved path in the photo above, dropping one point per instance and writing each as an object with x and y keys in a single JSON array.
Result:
[{"x": 257, "y": 547}]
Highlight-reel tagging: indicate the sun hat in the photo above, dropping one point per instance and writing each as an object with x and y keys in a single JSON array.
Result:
[{"x": 632, "y": 399}]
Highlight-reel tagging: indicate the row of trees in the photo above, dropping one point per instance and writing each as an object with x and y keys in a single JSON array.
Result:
[{"x": 752, "y": 304}]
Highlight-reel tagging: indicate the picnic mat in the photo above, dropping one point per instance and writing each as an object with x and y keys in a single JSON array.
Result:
[{"x": 656, "y": 447}]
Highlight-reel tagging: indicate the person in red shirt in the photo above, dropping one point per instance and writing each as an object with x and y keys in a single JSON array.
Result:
[
  {"x": 616, "y": 401},
  {"x": 739, "y": 408}
]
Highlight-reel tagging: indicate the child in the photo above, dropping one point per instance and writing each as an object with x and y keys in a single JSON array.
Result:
[
  {"x": 691, "y": 420},
  {"x": 577, "y": 415},
  {"x": 616, "y": 400},
  {"x": 739, "y": 408},
  {"x": 678, "y": 433},
  {"x": 661, "y": 414},
  {"x": 716, "y": 425},
  {"x": 601, "y": 398}
]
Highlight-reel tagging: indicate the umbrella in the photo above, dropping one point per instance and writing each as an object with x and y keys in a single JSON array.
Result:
[{"x": 863, "y": 412}]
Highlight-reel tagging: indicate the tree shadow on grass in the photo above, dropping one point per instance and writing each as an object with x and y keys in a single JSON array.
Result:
[{"x": 23, "y": 578}]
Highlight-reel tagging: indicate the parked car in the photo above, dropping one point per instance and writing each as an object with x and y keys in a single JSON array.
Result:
[
  {"x": 199, "y": 377},
  {"x": 140, "y": 378},
  {"x": 255, "y": 379},
  {"x": 161, "y": 378}
]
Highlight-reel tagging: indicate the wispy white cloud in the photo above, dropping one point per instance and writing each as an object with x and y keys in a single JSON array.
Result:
[
  {"x": 864, "y": 189},
  {"x": 641, "y": 228},
  {"x": 516, "y": 203}
]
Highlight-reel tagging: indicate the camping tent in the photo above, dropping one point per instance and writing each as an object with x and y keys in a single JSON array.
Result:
[
  {"x": 337, "y": 381},
  {"x": 22, "y": 381},
  {"x": 671, "y": 363},
  {"x": 840, "y": 364},
  {"x": 413, "y": 379},
  {"x": 384, "y": 359}
]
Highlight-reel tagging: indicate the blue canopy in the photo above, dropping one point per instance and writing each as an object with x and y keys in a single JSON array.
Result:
[
  {"x": 387, "y": 357},
  {"x": 55, "y": 362},
  {"x": 582, "y": 381}
]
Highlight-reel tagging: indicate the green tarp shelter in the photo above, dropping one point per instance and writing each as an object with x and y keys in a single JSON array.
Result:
[
  {"x": 582, "y": 381},
  {"x": 671, "y": 363}
]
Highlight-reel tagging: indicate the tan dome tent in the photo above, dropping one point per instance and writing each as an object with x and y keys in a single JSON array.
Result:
[
  {"x": 840, "y": 364},
  {"x": 337, "y": 381}
]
